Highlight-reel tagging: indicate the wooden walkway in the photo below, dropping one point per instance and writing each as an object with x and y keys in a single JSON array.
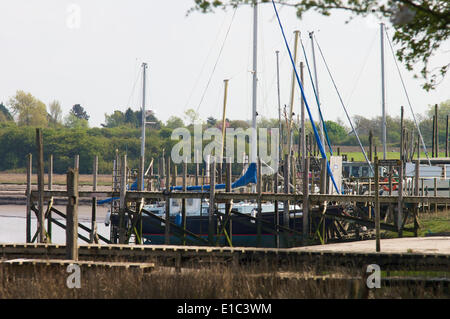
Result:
[{"x": 196, "y": 255}]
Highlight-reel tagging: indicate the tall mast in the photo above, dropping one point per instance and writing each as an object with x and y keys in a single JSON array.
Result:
[
  {"x": 253, "y": 151},
  {"x": 291, "y": 104},
  {"x": 383, "y": 103},
  {"x": 144, "y": 68},
  {"x": 322, "y": 136}
]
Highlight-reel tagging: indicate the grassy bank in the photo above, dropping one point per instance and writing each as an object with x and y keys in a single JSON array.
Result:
[
  {"x": 433, "y": 223},
  {"x": 58, "y": 179},
  {"x": 217, "y": 282}
]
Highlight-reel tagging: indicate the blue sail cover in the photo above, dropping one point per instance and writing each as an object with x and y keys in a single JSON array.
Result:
[{"x": 247, "y": 178}]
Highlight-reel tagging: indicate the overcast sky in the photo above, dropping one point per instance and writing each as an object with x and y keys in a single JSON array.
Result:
[{"x": 90, "y": 52}]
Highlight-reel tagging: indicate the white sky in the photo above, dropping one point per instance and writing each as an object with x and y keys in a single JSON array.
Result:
[{"x": 97, "y": 64}]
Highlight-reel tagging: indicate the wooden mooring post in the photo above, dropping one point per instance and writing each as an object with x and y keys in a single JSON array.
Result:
[
  {"x": 305, "y": 217},
  {"x": 416, "y": 193},
  {"x": 212, "y": 188},
  {"x": 40, "y": 164},
  {"x": 123, "y": 204},
  {"x": 167, "y": 200},
  {"x": 377, "y": 205},
  {"x": 258, "y": 216},
  {"x": 50, "y": 187},
  {"x": 28, "y": 193},
  {"x": 72, "y": 215}
]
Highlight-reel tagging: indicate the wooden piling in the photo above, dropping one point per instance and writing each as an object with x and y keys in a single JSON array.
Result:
[
  {"x": 72, "y": 215},
  {"x": 447, "y": 154},
  {"x": 167, "y": 200},
  {"x": 416, "y": 193},
  {"x": 229, "y": 227},
  {"x": 50, "y": 172},
  {"x": 40, "y": 163},
  {"x": 212, "y": 188},
  {"x": 400, "y": 200},
  {"x": 50, "y": 187},
  {"x": 377, "y": 205},
  {"x": 370, "y": 145},
  {"x": 286, "y": 191},
  {"x": 95, "y": 173},
  {"x": 436, "y": 128},
  {"x": 258, "y": 216},
  {"x": 305, "y": 217},
  {"x": 183, "y": 201},
  {"x": 28, "y": 193},
  {"x": 277, "y": 212},
  {"x": 123, "y": 204},
  {"x": 77, "y": 162},
  {"x": 140, "y": 178},
  {"x": 93, "y": 237}
]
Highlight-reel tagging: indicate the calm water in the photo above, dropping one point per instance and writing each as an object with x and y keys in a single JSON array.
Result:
[{"x": 13, "y": 224}]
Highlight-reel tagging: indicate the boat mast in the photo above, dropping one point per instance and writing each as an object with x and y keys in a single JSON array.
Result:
[
  {"x": 383, "y": 102},
  {"x": 144, "y": 68},
  {"x": 253, "y": 151},
  {"x": 322, "y": 136},
  {"x": 224, "y": 119}
]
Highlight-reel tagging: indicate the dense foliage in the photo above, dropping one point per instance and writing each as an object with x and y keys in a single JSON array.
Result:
[{"x": 17, "y": 140}]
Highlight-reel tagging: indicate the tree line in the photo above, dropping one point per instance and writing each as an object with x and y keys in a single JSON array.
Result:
[{"x": 65, "y": 137}]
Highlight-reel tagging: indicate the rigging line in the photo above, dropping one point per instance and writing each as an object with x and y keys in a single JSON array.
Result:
[
  {"x": 317, "y": 98},
  {"x": 343, "y": 106},
  {"x": 316, "y": 134},
  {"x": 407, "y": 97},
  {"x": 218, "y": 58},
  {"x": 205, "y": 62},
  {"x": 134, "y": 87},
  {"x": 362, "y": 69}
]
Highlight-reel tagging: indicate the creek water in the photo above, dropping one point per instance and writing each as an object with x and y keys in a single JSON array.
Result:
[{"x": 13, "y": 223}]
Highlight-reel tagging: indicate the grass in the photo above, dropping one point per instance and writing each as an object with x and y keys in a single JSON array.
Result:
[
  {"x": 208, "y": 282},
  {"x": 359, "y": 157},
  {"x": 429, "y": 223},
  {"x": 58, "y": 179}
]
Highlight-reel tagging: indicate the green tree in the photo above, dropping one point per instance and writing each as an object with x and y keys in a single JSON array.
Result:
[
  {"x": 114, "y": 120},
  {"x": 336, "y": 132},
  {"x": 421, "y": 26},
  {"x": 174, "y": 122},
  {"x": 5, "y": 116},
  {"x": 29, "y": 110},
  {"x": 55, "y": 113},
  {"x": 191, "y": 116},
  {"x": 72, "y": 121},
  {"x": 79, "y": 112}
]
